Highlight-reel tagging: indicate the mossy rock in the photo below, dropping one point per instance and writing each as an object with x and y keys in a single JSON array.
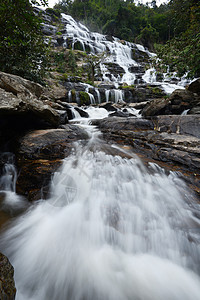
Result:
[{"x": 84, "y": 98}]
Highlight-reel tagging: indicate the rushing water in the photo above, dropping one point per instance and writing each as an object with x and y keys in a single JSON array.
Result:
[{"x": 112, "y": 229}]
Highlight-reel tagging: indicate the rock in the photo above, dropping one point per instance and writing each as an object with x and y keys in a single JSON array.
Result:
[
  {"x": 82, "y": 113},
  {"x": 136, "y": 69},
  {"x": 183, "y": 125},
  {"x": 194, "y": 87},
  {"x": 109, "y": 106},
  {"x": 173, "y": 141},
  {"x": 120, "y": 114},
  {"x": 7, "y": 284},
  {"x": 11, "y": 105},
  {"x": 39, "y": 155},
  {"x": 155, "y": 107},
  {"x": 114, "y": 68},
  {"x": 141, "y": 93},
  {"x": 179, "y": 101},
  {"x": 116, "y": 124}
]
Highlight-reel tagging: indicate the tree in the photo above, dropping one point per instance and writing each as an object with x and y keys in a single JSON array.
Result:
[
  {"x": 22, "y": 48},
  {"x": 93, "y": 62}
]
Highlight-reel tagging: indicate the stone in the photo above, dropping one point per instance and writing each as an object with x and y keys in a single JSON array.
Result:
[
  {"x": 82, "y": 113},
  {"x": 39, "y": 154},
  {"x": 194, "y": 87},
  {"x": 178, "y": 102},
  {"x": 172, "y": 141},
  {"x": 7, "y": 284},
  {"x": 155, "y": 107},
  {"x": 109, "y": 106}
]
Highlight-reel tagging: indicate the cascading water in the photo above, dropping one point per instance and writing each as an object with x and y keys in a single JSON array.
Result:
[
  {"x": 120, "y": 54},
  {"x": 10, "y": 202},
  {"x": 112, "y": 229}
]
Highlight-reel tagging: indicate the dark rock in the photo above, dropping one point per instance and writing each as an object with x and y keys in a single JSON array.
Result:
[
  {"x": 194, "y": 87},
  {"x": 120, "y": 114},
  {"x": 136, "y": 69},
  {"x": 170, "y": 140},
  {"x": 82, "y": 113},
  {"x": 7, "y": 284},
  {"x": 189, "y": 124},
  {"x": 179, "y": 101},
  {"x": 109, "y": 106},
  {"x": 155, "y": 107},
  {"x": 114, "y": 68},
  {"x": 39, "y": 155}
]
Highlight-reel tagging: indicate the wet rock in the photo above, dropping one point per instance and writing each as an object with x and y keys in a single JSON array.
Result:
[
  {"x": 121, "y": 114},
  {"x": 173, "y": 140},
  {"x": 82, "y": 113},
  {"x": 189, "y": 124},
  {"x": 7, "y": 284},
  {"x": 194, "y": 87},
  {"x": 136, "y": 69},
  {"x": 141, "y": 93},
  {"x": 155, "y": 107},
  {"x": 114, "y": 68},
  {"x": 177, "y": 103},
  {"x": 39, "y": 155},
  {"x": 109, "y": 106}
]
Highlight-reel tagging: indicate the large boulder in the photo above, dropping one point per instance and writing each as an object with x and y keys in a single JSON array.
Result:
[
  {"x": 178, "y": 102},
  {"x": 40, "y": 154},
  {"x": 155, "y": 107},
  {"x": 7, "y": 284},
  {"x": 194, "y": 87}
]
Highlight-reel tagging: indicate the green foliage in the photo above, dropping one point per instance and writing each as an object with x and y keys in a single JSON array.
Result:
[
  {"x": 72, "y": 61},
  {"x": 182, "y": 52},
  {"x": 84, "y": 98},
  {"x": 22, "y": 49}
]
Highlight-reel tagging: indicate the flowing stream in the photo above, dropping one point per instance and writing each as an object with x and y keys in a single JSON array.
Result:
[{"x": 112, "y": 229}]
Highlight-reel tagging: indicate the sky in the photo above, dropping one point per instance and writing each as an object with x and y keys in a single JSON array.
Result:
[{"x": 53, "y": 2}]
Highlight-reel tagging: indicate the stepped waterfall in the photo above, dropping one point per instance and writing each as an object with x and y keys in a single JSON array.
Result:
[{"x": 112, "y": 226}]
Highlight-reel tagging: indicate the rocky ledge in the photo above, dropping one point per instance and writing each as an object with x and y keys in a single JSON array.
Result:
[
  {"x": 39, "y": 155},
  {"x": 172, "y": 140}
]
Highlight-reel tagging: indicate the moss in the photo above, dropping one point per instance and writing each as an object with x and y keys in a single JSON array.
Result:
[
  {"x": 84, "y": 98},
  {"x": 129, "y": 87},
  {"x": 73, "y": 93}
]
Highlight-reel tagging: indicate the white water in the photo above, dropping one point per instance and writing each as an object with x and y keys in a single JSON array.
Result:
[
  {"x": 119, "y": 52},
  {"x": 111, "y": 230}
]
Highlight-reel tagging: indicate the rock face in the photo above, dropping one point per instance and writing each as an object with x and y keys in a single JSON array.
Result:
[
  {"x": 22, "y": 98},
  {"x": 7, "y": 285},
  {"x": 174, "y": 140},
  {"x": 40, "y": 154}
]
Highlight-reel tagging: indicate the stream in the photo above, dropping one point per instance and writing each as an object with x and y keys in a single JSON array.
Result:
[{"x": 112, "y": 229}]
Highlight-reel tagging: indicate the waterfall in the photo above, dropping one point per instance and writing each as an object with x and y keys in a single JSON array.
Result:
[
  {"x": 98, "y": 95},
  {"x": 125, "y": 55},
  {"x": 9, "y": 176},
  {"x": 118, "y": 96},
  {"x": 107, "y": 94},
  {"x": 10, "y": 202},
  {"x": 112, "y": 229}
]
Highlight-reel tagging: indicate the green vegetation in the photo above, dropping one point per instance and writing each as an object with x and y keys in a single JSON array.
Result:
[
  {"x": 22, "y": 49},
  {"x": 84, "y": 98},
  {"x": 182, "y": 52}
]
